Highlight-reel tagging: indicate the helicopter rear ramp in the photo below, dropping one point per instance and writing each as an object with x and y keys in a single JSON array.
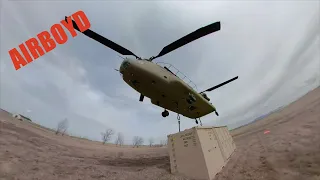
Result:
[{"x": 200, "y": 152}]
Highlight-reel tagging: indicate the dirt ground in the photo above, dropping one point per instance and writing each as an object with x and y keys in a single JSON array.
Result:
[{"x": 291, "y": 151}]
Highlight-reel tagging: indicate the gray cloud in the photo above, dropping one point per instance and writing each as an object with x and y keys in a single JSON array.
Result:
[{"x": 271, "y": 46}]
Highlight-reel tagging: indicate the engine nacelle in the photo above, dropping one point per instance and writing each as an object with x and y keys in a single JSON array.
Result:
[{"x": 205, "y": 96}]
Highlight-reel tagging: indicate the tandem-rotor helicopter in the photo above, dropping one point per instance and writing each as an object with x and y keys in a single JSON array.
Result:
[{"x": 159, "y": 82}]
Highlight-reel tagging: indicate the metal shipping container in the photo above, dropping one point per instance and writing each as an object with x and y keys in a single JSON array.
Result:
[{"x": 200, "y": 152}]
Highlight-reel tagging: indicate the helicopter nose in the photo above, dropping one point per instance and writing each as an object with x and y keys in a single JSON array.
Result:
[{"x": 125, "y": 64}]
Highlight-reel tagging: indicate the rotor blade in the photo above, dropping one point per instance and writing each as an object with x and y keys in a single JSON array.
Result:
[
  {"x": 141, "y": 97},
  {"x": 219, "y": 85},
  {"x": 189, "y": 38},
  {"x": 95, "y": 36}
]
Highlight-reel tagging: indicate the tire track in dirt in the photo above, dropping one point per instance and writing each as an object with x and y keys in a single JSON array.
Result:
[{"x": 266, "y": 166}]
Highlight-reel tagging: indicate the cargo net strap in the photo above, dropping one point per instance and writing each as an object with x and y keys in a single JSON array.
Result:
[
  {"x": 178, "y": 116},
  {"x": 199, "y": 120}
]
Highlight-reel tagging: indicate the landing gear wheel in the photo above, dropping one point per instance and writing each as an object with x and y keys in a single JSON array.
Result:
[
  {"x": 165, "y": 113},
  {"x": 196, "y": 121}
]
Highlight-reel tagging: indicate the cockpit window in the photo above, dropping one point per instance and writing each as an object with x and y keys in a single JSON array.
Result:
[{"x": 125, "y": 64}]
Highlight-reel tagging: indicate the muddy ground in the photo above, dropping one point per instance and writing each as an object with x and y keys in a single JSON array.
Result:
[{"x": 291, "y": 151}]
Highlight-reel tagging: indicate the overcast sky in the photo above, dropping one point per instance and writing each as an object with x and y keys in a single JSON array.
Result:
[{"x": 272, "y": 46}]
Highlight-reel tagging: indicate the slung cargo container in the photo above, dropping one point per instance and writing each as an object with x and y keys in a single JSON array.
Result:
[{"x": 200, "y": 152}]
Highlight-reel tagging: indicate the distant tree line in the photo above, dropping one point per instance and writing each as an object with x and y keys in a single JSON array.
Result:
[
  {"x": 108, "y": 134},
  {"x": 62, "y": 127},
  {"x": 136, "y": 141}
]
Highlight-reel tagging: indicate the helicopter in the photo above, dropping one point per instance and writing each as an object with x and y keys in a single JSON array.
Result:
[{"x": 159, "y": 83}]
